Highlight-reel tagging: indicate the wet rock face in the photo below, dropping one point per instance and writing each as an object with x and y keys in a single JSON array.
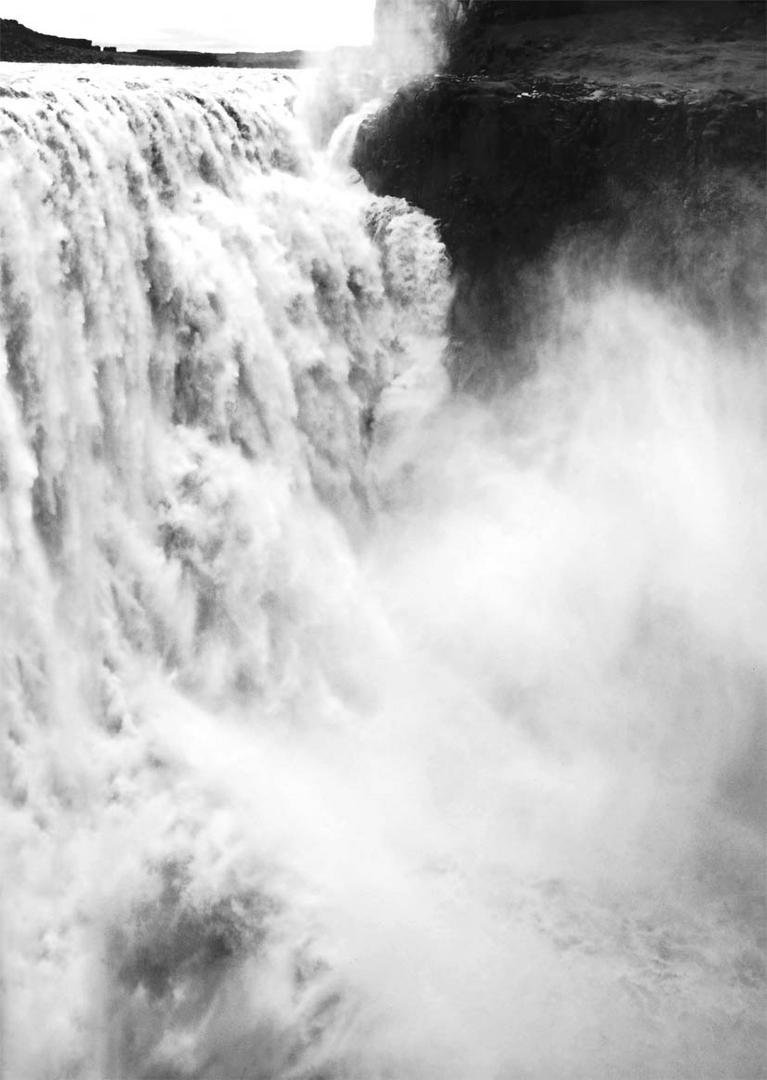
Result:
[
  {"x": 516, "y": 169},
  {"x": 507, "y": 165}
]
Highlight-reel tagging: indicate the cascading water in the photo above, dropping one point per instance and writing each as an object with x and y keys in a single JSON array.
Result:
[{"x": 352, "y": 729}]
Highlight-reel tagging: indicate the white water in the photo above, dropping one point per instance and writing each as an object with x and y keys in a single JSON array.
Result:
[{"x": 351, "y": 730}]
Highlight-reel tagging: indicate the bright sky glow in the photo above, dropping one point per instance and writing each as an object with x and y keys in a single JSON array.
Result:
[{"x": 221, "y": 25}]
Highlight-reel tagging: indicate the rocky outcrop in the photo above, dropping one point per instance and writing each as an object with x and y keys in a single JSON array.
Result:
[
  {"x": 669, "y": 42},
  {"x": 664, "y": 173}
]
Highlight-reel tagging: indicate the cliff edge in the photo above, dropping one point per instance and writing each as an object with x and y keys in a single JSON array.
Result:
[{"x": 632, "y": 131}]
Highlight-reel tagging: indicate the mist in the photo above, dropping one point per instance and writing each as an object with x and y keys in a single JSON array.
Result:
[{"x": 518, "y": 826}]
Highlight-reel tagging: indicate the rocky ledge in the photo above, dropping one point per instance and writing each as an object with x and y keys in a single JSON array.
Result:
[{"x": 664, "y": 175}]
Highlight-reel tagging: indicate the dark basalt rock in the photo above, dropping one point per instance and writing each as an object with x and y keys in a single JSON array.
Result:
[
  {"x": 508, "y": 163},
  {"x": 664, "y": 177},
  {"x": 514, "y": 171}
]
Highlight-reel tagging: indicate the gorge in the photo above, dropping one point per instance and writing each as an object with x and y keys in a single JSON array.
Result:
[{"x": 383, "y": 566}]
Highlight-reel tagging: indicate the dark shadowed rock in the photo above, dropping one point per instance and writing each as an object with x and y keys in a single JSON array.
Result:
[{"x": 662, "y": 166}]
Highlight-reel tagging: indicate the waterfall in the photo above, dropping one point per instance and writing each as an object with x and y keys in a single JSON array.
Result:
[
  {"x": 341, "y": 145},
  {"x": 353, "y": 728}
]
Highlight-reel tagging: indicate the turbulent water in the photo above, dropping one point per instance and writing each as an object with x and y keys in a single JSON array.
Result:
[{"x": 352, "y": 728}]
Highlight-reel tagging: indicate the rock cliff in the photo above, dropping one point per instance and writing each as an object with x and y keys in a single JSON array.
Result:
[{"x": 580, "y": 135}]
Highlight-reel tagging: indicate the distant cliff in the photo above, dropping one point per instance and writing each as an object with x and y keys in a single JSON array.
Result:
[{"x": 19, "y": 43}]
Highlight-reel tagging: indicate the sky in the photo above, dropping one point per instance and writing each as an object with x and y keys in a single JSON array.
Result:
[{"x": 220, "y": 25}]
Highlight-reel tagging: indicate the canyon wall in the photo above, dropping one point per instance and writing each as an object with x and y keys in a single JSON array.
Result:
[{"x": 585, "y": 129}]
